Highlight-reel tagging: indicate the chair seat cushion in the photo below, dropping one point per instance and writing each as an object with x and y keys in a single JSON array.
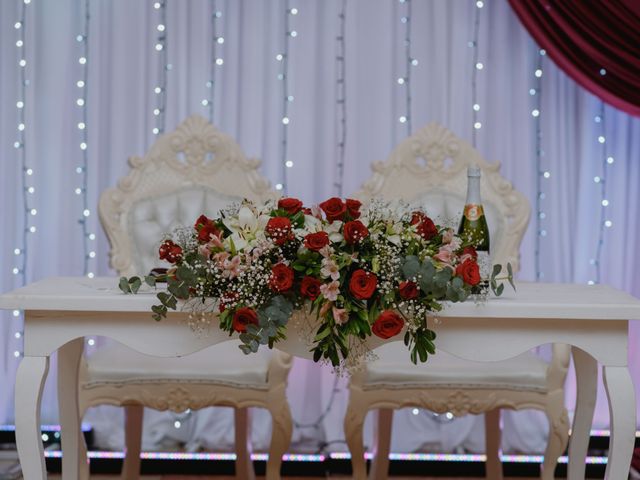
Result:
[
  {"x": 394, "y": 370},
  {"x": 222, "y": 364}
]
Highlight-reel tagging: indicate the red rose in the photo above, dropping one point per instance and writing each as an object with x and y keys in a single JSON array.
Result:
[
  {"x": 387, "y": 325},
  {"x": 205, "y": 228},
  {"x": 353, "y": 207},
  {"x": 279, "y": 228},
  {"x": 363, "y": 284},
  {"x": 281, "y": 278},
  {"x": 310, "y": 287},
  {"x": 470, "y": 251},
  {"x": 290, "y": 205},
  {"x": 469, "y": 271},
  {"x": 170, "y": 252},
  {"x": 315, "y": 241},
  {"x": 408, "y": 290},
  {"x": 425, "y": 226},
  {"x": 244, "y": 316},
  {"x": 354, "y": 231},
  {"x": 334, "y": 209}
]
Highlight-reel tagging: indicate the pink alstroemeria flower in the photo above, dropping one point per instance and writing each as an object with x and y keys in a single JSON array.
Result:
[
  {"x": 330, "y": 269},
  {"x": 340, "y": 315},
  {"x": 330, "y": 290},
  {"x": 231, "y": 268}
]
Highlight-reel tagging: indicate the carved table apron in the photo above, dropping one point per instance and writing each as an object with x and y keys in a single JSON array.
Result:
[{"x": 59, "y": 312}]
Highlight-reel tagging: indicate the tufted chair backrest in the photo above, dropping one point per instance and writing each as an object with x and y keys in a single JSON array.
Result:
[
  {"x": 192, "y": 171},
  {"x": 429, "y": 169}
]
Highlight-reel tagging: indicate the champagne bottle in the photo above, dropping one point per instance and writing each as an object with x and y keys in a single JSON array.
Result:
[{"x": 473, "y": 228}]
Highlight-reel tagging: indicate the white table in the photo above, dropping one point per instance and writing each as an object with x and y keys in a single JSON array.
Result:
[{"x": 59, "y": 312}]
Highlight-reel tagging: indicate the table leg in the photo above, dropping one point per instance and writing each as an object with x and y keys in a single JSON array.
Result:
[
  {"x": 622, "y": 415},
  {"x": 587, "y": 383},
  {"x": 74, "y": 459},
  {"x": 32, "y": 372}
]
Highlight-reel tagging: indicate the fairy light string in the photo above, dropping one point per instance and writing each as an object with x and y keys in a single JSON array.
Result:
[
  {"x": 536, "y": 94},
  {"x": 604, "y": 220},
  {"x": 160, "y": 47},
  {"x": 21, "y": 251},
  {"x": 341, "y": 94},
  {"x": 287, "y": 98},
  {"x": 405, "y": 79},
  {"x": 477, "y": 66},
  {"x": 82, "y": 170},
  {"x": 216, "y": 58}
]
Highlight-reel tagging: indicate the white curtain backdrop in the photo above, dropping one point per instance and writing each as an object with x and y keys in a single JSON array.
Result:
[{"x": 123, "y": 69}]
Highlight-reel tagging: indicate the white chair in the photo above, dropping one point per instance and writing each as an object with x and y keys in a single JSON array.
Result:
[
  {"x": 430, "y": 169},
  {"x": 195, "y": 169}
]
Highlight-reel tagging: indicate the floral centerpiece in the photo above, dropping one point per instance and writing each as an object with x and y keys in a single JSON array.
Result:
[{"x": 378, "y": 270}]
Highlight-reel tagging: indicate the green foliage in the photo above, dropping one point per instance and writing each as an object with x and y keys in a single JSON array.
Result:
[
  {"x": 420, "y": 343},
  {"x": 497, "y": 287}
]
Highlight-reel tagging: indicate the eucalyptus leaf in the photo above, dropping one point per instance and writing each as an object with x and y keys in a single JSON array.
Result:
[
  {"x": 496, "y": 270},
  {"x": 135, "y": 283},
  {"x": 124, "y": 285},
  {"x": 186, "y": 274},
  {"x": 411, "y": 267}
]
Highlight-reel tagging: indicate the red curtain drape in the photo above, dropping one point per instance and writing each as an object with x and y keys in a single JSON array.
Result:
[{"x": 596, "y": 42}]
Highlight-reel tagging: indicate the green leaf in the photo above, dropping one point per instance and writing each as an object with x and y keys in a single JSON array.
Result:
[
  {"x": 169, "y": 301},
  {"x": 323, "y": 332},
  {"x": 510, "y": 276},
  {"x": 411, "y": 267},
  {"x": 186, "y": 274},
  {"x": 500, "y": 289},
  {"x": 135, "y": 283},
  {"x": 496, "y": 270},
  {"x": 150, "y": 280},
  {"x": 442, "y": 278},
  {"x": 124, "y": 285}
]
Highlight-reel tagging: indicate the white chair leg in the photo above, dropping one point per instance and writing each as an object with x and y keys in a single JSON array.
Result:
[
  {"x": 282, "y": 426},
  {"x": 82, "y": 453},
  {"x": 244, "y": 464},
  {"x": 353, "y": 426},
  {"x": 492, "y": 433},
  {"x": 558, "y": 435},
  {"x": 133, "y": 416},
  {"x": 380, "y": 464},
  {"x": 32, "y": 372},
  {"x": 587, "y": 382},
  {"x": 622, "y": 414},
  {"x": 73, "y": 462}
]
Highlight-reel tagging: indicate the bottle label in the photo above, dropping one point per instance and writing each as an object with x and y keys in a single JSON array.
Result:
[{"x": 473, "y": 212}]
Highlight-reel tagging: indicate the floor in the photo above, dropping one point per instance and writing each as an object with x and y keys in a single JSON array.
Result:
[{"x": 189, "y": 477}]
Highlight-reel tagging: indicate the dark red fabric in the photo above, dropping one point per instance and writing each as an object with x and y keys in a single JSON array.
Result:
[{"x": 584, "y": 36}]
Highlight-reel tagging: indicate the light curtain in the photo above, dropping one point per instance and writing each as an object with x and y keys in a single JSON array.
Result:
[{"x": 123, "y": 71}]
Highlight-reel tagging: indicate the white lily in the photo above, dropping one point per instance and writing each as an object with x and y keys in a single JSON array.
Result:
[
  {"x": 393, "y": 232},
  {"x": 247, "y": 228},
  {"x": 333, "y": 230}
]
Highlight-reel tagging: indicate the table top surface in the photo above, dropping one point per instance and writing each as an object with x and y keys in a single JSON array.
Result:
[{"x": 531, "y": 300}]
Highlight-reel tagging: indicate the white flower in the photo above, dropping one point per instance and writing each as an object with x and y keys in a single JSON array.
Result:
[
  {"x": 247, "y": 228},
  {"x": 330, "y": 290},
  {"x": 333, "y": 230},
  {"x": 330, "y": 269},
  {"x": 340, "y": 315}
]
